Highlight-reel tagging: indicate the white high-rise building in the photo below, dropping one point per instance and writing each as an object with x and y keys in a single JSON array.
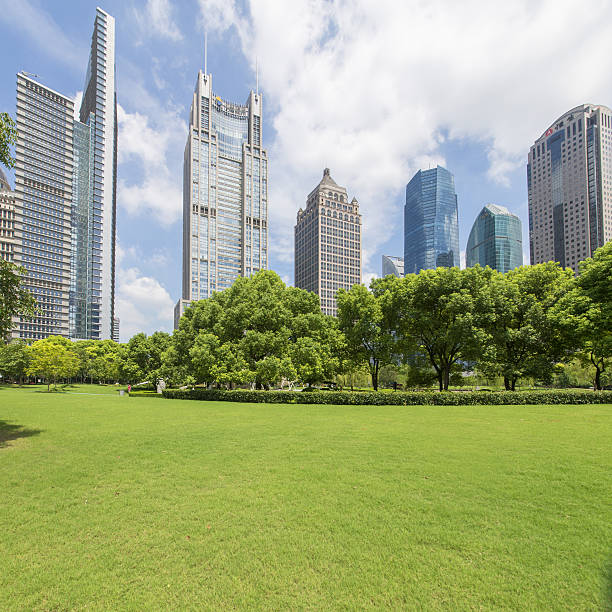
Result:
[
  {"x": 225, "y": 194},
  {"x": 569, "y": 181}
]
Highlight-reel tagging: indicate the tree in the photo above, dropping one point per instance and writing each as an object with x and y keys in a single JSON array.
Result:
[
  {"x": 8, "y": 137},
  {"x": 14, "y": 360},
  {"x": 141, "y": 358},
  {"x": 53, "y": 358},
  {"x": 527, "y": 337},
  {"x": 369, "y": 337},
  {"x": 258, "y": 320},
  {"x": 586, "y": 312},
  {"x": 14, "y": 299},
  {"x": 443, "y": 311}
]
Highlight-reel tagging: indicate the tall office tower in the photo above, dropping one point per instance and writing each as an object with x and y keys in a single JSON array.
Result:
[
  {"x": 392, "y": 265},
  {"x": 328, "y": 243},
  {"x": 8, "y": 242},
  {"x": 93, "y": 292},
  {"x": 496, "y": 240},
  {"x": 225, "y": 194},
  {"x": 43, "y": 190},
  {"x": 569, "y": 182},
  {"x": 431, "y": 232}
]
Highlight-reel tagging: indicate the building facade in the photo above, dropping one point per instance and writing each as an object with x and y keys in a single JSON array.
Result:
[
  {"x": 569, "y": 182},
  {"x": 65, "y": 195},
  {"x": 92, "y": 302},
  {"x": 328, "y": 243},
  {"x": 225, "y": 193},
  {"x": 43, "y": 205},
  {"x": 8, "y": 242},
  {"x": 431, "y": 228},
  {"x": 392, "y": 265},
  {"x": 496, "y": 240}
]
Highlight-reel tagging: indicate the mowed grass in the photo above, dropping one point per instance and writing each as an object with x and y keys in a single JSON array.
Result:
[{"x": 111, "y": 503}]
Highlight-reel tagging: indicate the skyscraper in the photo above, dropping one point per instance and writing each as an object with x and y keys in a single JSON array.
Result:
[
  {"x": 569, "y": 182},
  {"x": 65, "y": 187},
  {"x": 392, "y": 265},
  {"x": 496, "y": 240},
  {"x": 93, "y": 297},
  {"x": 43, "y": 203},
  {"x": 431, "y": 233},
  {"x": 328, "y": 243},
  {"x": 225, "y": 193}
]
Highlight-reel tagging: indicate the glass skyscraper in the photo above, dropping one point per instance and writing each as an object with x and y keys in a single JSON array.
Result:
[
  {"x": 93, "y": 297},
  {"x": 431, "y": 232},
  {"x": 569, "y": 183},
  {"x": 65, "y": 188},
  {"x": 496, "y": 240},
  {"x": 392, "y": 265},
  {"x": 225, "y": 194}
]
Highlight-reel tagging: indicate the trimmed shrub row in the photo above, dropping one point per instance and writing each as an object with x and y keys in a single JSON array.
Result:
[{"x": 398, "y": 398}]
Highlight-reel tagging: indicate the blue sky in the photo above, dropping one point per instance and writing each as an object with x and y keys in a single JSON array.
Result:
[{"x": 375, "y": 91}]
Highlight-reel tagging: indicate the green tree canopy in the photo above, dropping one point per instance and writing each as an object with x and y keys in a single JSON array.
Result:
[
  {"x": 53, "y": 358},
  {"x": 14, "y": 360},
  {"x": 586, "y": 312},
  {"x": 8, "y": 138},
  {"x": 526, "y": 337},
  {"x": 14, "y": 299}
]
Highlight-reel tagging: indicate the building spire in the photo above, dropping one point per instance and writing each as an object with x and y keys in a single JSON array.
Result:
[
  {"x": 205, "y": 52},
  {"x": 256, "y": 76}
]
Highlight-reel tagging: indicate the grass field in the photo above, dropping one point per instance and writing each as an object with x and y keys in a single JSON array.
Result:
[{"x": 111, "y": 502}]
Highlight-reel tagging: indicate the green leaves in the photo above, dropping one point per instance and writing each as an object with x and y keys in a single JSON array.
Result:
[
  {"x": 8, "y": 138},
  {"x": 14, "y": 299}
]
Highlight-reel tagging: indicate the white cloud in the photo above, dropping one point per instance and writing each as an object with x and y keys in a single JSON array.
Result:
[
  {"x": 142, "y": 304},
  {"x": 159, "y": 191},
  {"x": 156, "y": 18},
  {"x": 371, "y": 89}
]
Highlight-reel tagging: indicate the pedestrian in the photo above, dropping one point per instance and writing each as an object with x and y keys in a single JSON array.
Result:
[{"x": 129, "y": 389}]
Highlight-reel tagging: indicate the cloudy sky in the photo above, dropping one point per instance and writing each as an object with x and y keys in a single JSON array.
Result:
[{"x": 373, "y": 89}]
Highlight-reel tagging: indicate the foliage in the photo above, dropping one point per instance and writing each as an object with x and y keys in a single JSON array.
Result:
[
  {"x": 141, "y": 358},
  {"x": 365, "y": 323},
  {"x": 53, "y": 358},
  {"x": 395, "y": 398},
  {"x": 586, "y": 312},
  {"x": 8, "y": 138},
  {"x": 14, "y": 360},
  {"x": 258, "y": 331},
  {"x": 443, "y": 312},
  {"x": 527, "y": 339},
  {"x": 14, "y": 299}
]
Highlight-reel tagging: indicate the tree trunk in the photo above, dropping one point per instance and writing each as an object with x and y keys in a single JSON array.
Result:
[
  {"x": 514, "y": 378},
  {"x": 375, "y": 378},
  {"x": 597, "y": 378},
  {"x": 440, "y": 380},
  {"x": 446, "y": 377},
  {"x": 507, "y": 384}
]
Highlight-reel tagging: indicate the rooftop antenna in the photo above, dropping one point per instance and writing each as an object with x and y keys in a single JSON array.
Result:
[
  {"x": 205, "y": 52},
  {"x": 30, "y": 74},
  {"x": 256, "y": 76}
]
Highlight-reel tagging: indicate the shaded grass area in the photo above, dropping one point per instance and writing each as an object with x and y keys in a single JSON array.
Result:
[{"x": 124, "y": 503}]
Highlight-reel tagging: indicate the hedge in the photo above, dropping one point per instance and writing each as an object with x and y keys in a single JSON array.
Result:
[{"x": 397, "y": 398}]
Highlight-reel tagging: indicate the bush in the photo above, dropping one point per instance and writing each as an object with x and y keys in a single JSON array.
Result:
[{"x": 401, "y": 398}]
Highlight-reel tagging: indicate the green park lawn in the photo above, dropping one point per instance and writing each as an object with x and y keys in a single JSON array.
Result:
[{"x": 139, "y": 503}]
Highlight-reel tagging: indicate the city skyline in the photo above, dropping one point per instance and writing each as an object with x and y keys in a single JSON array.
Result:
[{"x": 483, "y": 144}]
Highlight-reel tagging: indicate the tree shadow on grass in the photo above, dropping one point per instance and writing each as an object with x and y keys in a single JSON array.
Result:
[{"x": 11, "y": 431}]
